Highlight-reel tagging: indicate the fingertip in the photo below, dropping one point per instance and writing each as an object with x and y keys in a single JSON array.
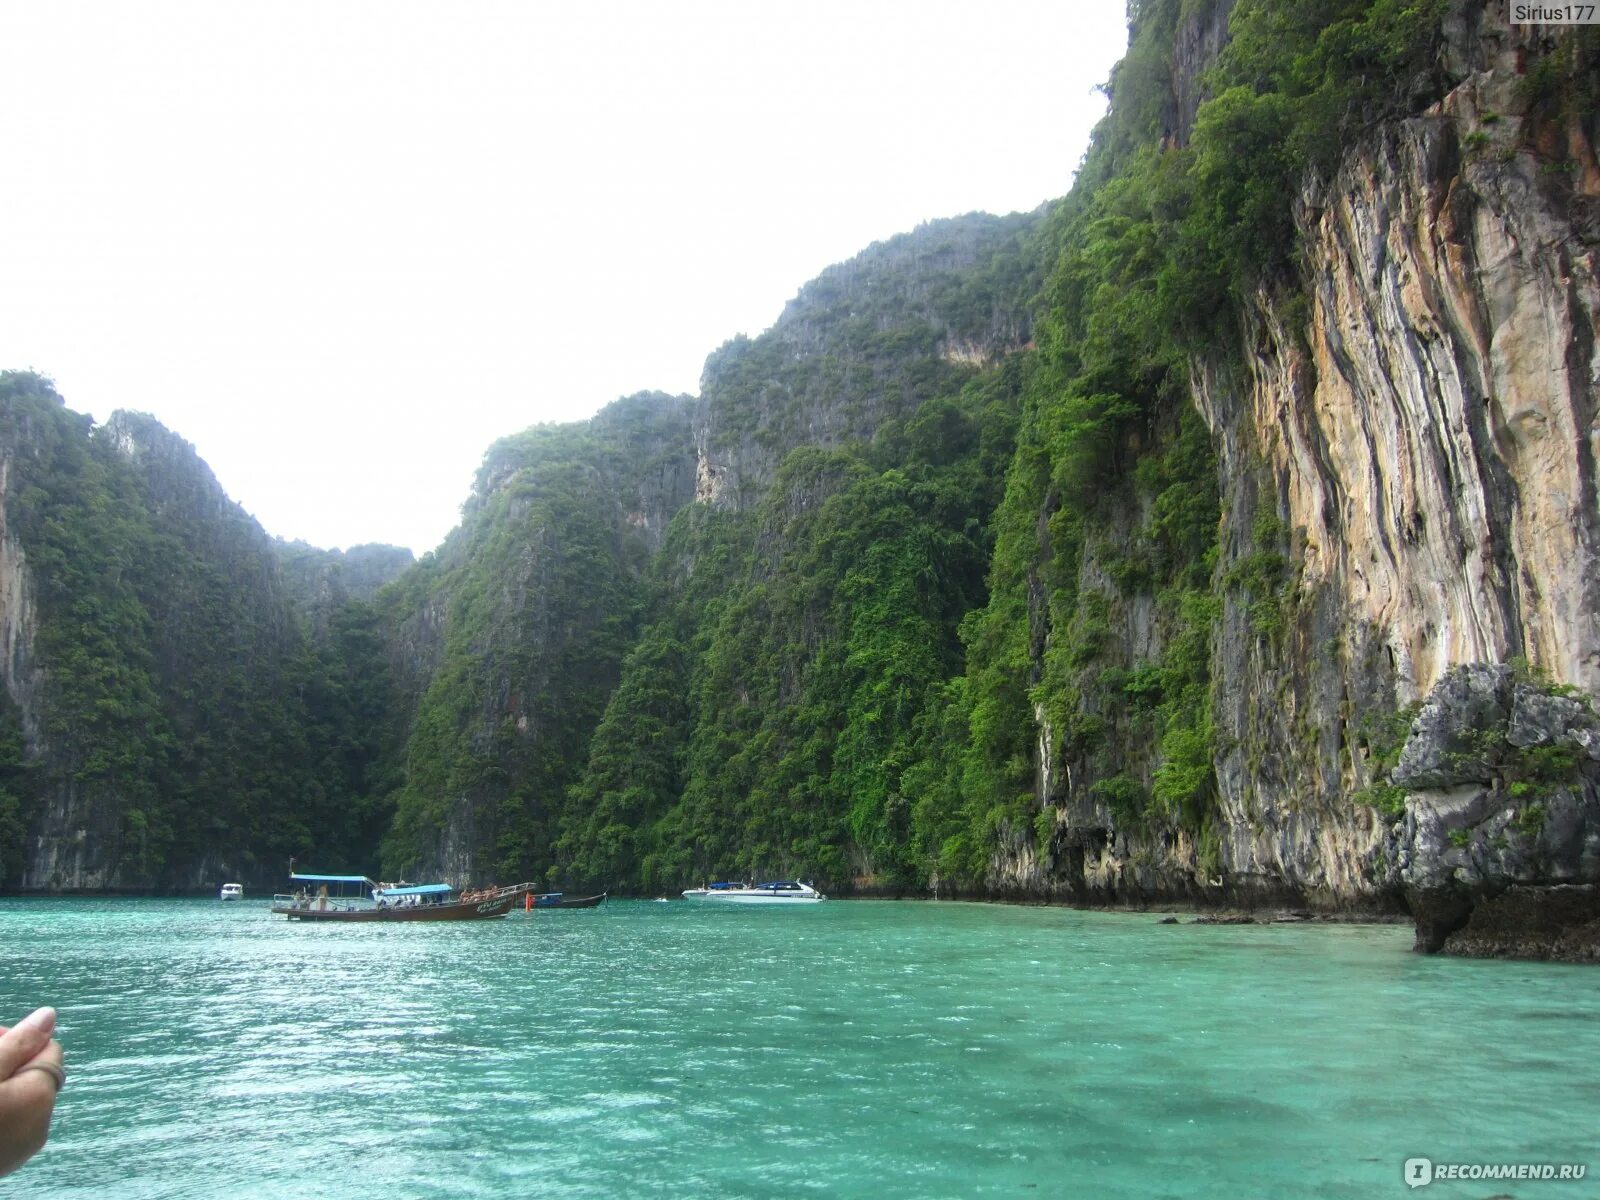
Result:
[{"x": 43, "y": 1019}]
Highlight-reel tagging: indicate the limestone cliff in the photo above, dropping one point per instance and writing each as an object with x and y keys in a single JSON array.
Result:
[
  {"x": 865, "y": 342},
  {"x": 172, "y": 725},
  {"x": 505, "y": 643},
  {"x": 20, "y": 671},
  {"x": 1428, "y": 441},
  {"x": 323, "y": 581},
  {"x": 1414, "y": 437}
]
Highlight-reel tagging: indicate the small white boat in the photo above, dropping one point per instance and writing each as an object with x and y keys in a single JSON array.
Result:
[
  {"x": 232, "y": 891},
  {"x": 782, "y": 891}
]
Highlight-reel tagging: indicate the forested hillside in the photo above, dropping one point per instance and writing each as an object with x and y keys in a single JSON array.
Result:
[
  {"x": 1215, "y": 533},
  {"x": 168, "y": 715}
]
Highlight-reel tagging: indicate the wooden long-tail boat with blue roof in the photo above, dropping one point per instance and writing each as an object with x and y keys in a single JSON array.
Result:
[{"x": 357, "y": 898}]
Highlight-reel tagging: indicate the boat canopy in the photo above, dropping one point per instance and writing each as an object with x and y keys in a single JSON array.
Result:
[
  {"x": 332, "y": 879},
  {"x": 420, "y": 889}
]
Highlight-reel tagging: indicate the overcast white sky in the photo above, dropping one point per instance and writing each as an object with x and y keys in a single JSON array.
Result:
[{"x": 342, "y": 247}]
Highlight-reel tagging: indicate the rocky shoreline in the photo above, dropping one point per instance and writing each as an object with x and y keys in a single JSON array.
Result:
[
  {"x": 1528, "y": 922},
  {"x": 1551, "y": 923}
]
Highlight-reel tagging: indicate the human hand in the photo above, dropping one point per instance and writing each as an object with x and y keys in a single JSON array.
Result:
[{"x": 30, "y": 1077}]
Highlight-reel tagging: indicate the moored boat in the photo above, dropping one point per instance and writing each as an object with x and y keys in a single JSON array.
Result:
[
  {"x": 562, "y": 900},
  {"x": 232, "y": 891},
  {"x": 779, "y": 891},
  {"x": 357, "y": 898},
  {"x": 700, "y": 893}
]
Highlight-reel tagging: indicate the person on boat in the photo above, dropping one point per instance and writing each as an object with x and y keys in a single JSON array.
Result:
[{"x": 31, "y": 1075}]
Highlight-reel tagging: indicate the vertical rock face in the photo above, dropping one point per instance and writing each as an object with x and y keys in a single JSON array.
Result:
[
  {"x": 1201, "y": 35},
  {"x": 1445, "y": 469},
  {"x": 1426, "y": 436},
  {"x": 866, "y": 341},
  {"x": 656, "y": 431},
  {"x": 320, "y": 581},
  {"x": 165, "y": 723},
  {"x": 19, "y": 669},
  {"x": 514, "y": 632}
]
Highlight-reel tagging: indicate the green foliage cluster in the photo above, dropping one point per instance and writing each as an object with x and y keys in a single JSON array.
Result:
[
  {"x": 1533, "y": 772},
  {"x": 1263, "y": 576},
  {"x": 182, "y": 703},
  {"x": 17, "y": 791},
  {"x": 772, "y": 718},
  {"x": 1167, "y": 227},
  {"x": 861, "y": 345},
  {"x": 540, "y": 593},
  {"x": 1563, "y": 82},
  {"x": 1382, "y": 735}
]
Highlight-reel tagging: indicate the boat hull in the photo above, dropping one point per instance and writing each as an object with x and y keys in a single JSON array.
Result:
[
  {"x": 558, "y": 901},
  {"x": 786, "y": 901},
  {"x": 476, "y": 911},
  {"x": 789, "y": 894}
]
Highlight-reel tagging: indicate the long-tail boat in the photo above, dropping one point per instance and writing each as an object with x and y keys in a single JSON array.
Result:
[{"x": 373, "y": 902}]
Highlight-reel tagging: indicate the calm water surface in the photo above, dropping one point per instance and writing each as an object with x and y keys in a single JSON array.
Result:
[{"x": 857, "y": 1049}]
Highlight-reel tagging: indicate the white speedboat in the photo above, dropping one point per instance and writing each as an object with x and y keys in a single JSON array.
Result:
[
  {"x": 782, "y": 891},
  {"x": 232, "y": 891}
]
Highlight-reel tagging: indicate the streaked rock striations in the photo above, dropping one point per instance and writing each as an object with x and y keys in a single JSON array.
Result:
[{"x": 1424, "y": 434}]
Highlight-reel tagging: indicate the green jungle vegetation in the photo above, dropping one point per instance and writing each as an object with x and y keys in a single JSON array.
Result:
[
  {"x": 182, "y": 709},
  {"x": 921, "y": 562}
]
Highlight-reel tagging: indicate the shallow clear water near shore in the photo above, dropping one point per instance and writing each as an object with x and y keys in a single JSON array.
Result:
[{"x": 854, "y": 1049}]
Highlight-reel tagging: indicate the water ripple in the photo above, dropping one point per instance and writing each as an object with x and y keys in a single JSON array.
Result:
[{"x": 862, "y": 1049}]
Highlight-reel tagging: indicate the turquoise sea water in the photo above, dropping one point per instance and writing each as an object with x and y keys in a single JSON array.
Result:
[{"x": 855, "y": 1049}]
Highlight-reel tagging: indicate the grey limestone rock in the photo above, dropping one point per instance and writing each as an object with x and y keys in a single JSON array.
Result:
[
  {"x": 1539, "y": 718},
  {"x": 1455, "y": 738}
]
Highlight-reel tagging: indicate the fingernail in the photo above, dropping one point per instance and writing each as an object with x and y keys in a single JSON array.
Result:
[{"x": 39, "y": 1018}]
